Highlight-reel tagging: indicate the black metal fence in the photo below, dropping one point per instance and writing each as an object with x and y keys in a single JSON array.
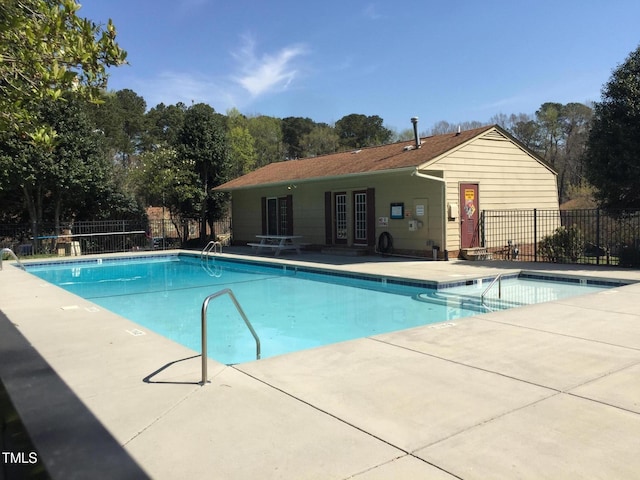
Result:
[
  {"x": 109, "y": 236},
  {"x": 590, "y": 236}
]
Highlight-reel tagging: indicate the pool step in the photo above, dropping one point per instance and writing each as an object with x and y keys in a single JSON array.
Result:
[
  {"x": 475, "y": 253},
  {"x": 469, "y": 302}
]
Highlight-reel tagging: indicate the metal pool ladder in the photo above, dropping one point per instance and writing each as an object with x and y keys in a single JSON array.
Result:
[
  {"x": 212, "y": 246},
  {"x": 205, "y": 305},
  {"x": 9, "y": 252},
  {"x": 204, "y": 258},
  {"x": 486, "y": 290}
]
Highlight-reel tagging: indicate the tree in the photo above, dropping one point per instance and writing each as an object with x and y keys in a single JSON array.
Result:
[
  {"x": 558, "y": 134},
  {"x": 404, "y": 134},
  {"x": 203, "y": 143},
  {"x": 357, "y": 131},
  {"x": 527, "y": 131},
  {"x": 241, "y": 144},
  {"x": 163, "y": 125},
  {"x": 443, "y": 127},
  {"x": 267, "y": 139},
  {"x": 69, "y": 179},
  {"x": 321, "y": 140},
  {"x": 549, "y": 120},
  {"x": 293, "y": 129},
  {"x": 19, "y": 167},
  {"x": 46, "y": 50},
  {"x": 576, "y": 122},
  {"x": 612, "y": 162},
  {"x": 163, "y": 178},
  {"x": 522, "y": 126},
  {"x": 75, "y": 169},
  {"x": 121, "y": 117}
]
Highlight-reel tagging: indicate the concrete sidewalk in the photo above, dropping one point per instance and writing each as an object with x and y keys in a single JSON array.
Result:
[{"x": 543, "y": 391}]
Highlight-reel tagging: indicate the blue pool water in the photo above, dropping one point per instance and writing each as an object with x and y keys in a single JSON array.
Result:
[{"x": 290, "y": 308}]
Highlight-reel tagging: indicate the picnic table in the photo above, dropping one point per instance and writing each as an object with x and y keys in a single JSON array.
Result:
[{"x": 278, "y": 243}]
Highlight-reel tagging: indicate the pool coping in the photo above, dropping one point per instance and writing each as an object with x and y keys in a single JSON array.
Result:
[
  {"x": 394, "y": 279},
  {"x": 14, "y": 318}
]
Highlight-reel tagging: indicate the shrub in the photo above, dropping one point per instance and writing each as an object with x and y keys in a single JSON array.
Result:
[
  {"x": 565, "y": 245},
  {"x": 629, "y": 256}
]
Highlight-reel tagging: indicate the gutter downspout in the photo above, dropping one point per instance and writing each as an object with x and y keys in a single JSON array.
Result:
[{"x": 444, "y": 200}]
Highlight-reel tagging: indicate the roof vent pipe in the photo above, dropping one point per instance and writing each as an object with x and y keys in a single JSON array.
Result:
[{"x": 414, "y": 120}]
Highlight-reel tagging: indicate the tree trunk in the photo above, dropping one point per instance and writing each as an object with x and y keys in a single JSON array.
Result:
[
  {"x": 212, "y": 230},
  {"x": 203, "y": 214},
  {"x": 33, "y": 216},
  {"x": 56, "y": 214},
  {"x": 177, "y": 226}
]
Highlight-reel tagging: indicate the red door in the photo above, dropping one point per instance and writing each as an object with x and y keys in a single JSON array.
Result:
[{"x": 469, "y": 214}]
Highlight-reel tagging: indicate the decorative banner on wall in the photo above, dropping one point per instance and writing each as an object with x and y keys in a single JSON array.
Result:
[{"x": 469, "y": 202}]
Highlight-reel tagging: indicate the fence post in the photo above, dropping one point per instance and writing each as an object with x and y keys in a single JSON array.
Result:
[{"x": 535, "y": 234}]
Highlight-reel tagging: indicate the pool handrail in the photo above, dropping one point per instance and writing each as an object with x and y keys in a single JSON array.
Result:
[
  {"x": 497, "y": 279},
  {"x": 205, "y": 306},
  {"x": 209, "y": 247},
  {"x": 9, "y": 252}
]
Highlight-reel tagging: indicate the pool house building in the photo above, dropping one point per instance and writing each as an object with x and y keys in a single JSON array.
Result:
[{"x": 421, "y": 197}]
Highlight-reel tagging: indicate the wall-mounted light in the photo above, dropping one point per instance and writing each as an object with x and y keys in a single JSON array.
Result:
[{"x": 291, "y": 187}]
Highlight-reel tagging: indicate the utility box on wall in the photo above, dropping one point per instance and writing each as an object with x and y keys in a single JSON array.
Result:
[{"x": 452, "y": 211}]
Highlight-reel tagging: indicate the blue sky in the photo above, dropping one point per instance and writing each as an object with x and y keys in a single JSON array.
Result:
[{"x": 457, "y": 61}]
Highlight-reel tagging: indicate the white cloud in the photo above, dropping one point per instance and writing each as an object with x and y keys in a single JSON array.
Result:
[
  {"x": 268, "y": 73},
  {"x": 371, "y": 12},
  {"x": 172, "y": 87},
  {"x": 257, "y": 75}
]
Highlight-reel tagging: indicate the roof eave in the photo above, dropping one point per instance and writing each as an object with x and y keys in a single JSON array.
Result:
[{"x": 317, "y": 179}]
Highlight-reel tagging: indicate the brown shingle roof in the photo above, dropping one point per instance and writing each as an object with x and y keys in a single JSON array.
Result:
[{"x": 373, "y": 159}]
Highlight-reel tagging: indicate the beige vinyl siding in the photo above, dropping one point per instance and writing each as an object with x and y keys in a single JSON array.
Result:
[
  {"x": 507, "y": 175},
  {"x": 411, "y": 191},
  {"x": 246, "y": 215},
  {"x": 308, "y": 212},
  {"x": 508, "y": 178},
  {"x": 308, "y": 208}
]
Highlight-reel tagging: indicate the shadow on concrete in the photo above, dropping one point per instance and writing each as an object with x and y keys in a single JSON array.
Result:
[
  {"x": 69, "y": 441},
  {"x": 148, "y": 378}
]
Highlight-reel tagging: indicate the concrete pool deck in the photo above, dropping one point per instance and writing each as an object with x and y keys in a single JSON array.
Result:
[{"x": 542, "y": 391}]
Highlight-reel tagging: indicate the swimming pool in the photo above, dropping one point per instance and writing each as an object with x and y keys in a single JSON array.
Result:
[{"x": 291, "y": 308}]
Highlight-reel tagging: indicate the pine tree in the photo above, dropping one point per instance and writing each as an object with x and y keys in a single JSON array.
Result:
[{"x": 612, "y": 161}]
